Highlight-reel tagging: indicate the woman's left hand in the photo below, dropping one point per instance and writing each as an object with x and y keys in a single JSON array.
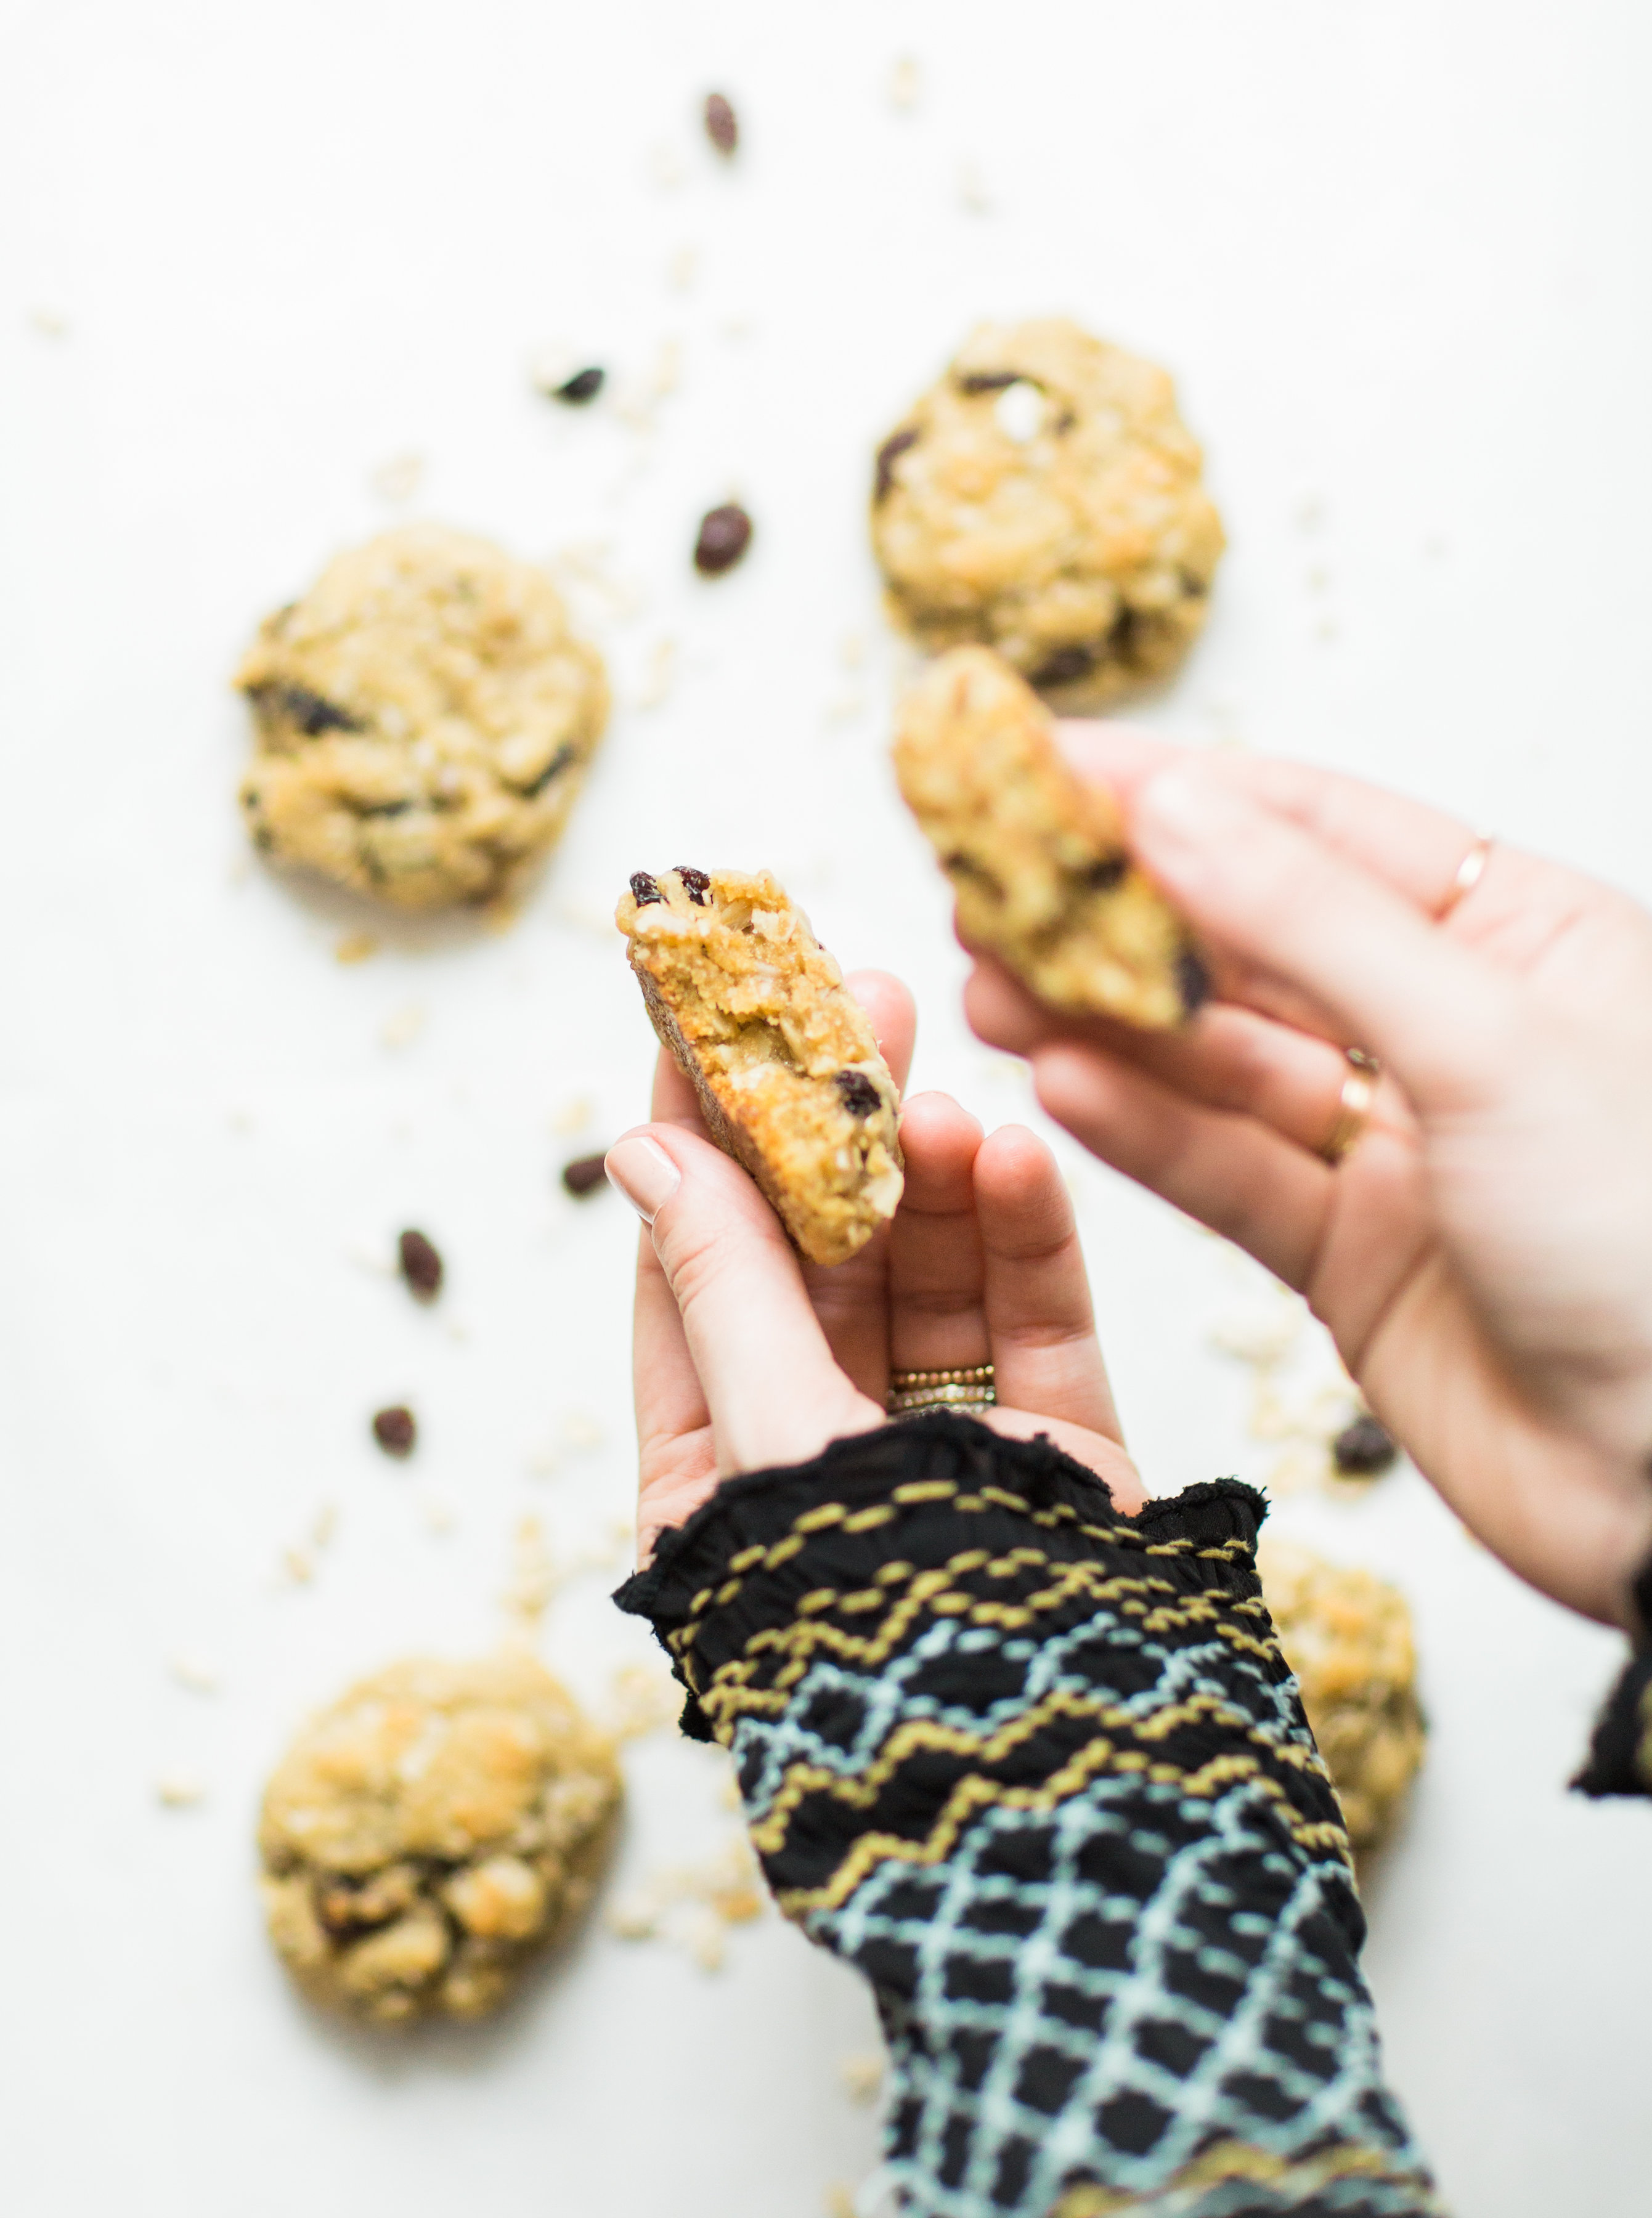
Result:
[{"x": 747, "y": 1359}]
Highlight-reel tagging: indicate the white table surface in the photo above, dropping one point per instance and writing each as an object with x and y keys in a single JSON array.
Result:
[{"x": 1397, "y": 256}]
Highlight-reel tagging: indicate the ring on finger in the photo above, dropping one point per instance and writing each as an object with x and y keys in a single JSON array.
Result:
[
  {"x": 1469, "y": 872},
  {"x": 1354, "y": 1103},
  {"x": 966, "y": 1389}
]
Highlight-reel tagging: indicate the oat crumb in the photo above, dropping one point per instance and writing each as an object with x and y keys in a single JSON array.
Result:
[
  {"x": 402, "y": 1026},
  {"x": 659, "y": 675},
  {"x": 862, "y": 2074},
  {"x": 193, "y": 1670},
  {"x": 399, "y": 479},
  {"x": 356, "y": 947},
  {"x": 972, "y": 195},
  {"x": 574, "y": 1116},
  {"x": 180, "y": 1790},
  {"x": 683, "y": 269},
  {"x": 905, "y": 83}
]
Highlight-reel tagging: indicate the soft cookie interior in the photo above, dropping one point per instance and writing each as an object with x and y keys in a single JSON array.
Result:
[
  {"x": 780, "y": 1052},
  {"x": 1036, "y": 857}
]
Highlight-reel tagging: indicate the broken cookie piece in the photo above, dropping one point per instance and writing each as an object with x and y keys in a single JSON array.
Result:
[
  {"x": 1035, "y": 855},
  {"x": 781, "y": 1053},
  {"x": 430, "y": 1832}
]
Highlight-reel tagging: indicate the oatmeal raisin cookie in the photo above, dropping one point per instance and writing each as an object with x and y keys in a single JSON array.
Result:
[
  {"x": 1036, "y": 856},
  {"x": 423, "y": 720},
  {"x": 781, "y": 1053},
  {"x": 1045, "y": 498},
  {"x": 1346, "y": 1635},
  {"x": 430, "y": 1832}
]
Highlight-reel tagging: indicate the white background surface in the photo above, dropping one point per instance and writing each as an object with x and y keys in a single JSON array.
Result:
[{"x": 1397, "y": 257}]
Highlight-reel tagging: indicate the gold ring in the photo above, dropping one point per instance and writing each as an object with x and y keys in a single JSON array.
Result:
[
  {"x": 1469, "y": 872},
  {"x": 1353, "y": 1107},
  {"x": 966, "y": 1390}
]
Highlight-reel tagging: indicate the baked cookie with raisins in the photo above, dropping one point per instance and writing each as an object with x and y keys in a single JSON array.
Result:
[
  {"x": 1036, "y": 855},
  {"x": 431, "y": 1832},
  {"x": 424, "y": 718},
  {"x": 1047, "y": 499},
  {"x": 1346, "y": 1634},
  {"x": 781, "y": 1055}
]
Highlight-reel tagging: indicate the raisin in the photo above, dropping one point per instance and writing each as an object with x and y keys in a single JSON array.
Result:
[
  {"x": 1105, "y": 872},
  {"x": 1064, "y": 666},
  {"x": 860, "y": 1096},
  {"x": 421, "y": 1264},
  {"x": 696, "y": 884},
  {"x": 1192, "y": 981},
  {"x": 583, "y": 386},
  {"x": 396, "y": 1430},
  {"x": 645, "y": 889},
  {"x": 1363, "y": 1449},
  {"x": 721, "y": 124},
  {"x": 313, "y": 713},
  {"x": 559, "y": 762},
  {"x": 992, "y": 380},
  {"x": 725, "y": 536},
  {"x": 888, "y": 454},
  {"x": 584, "y": 1175}
]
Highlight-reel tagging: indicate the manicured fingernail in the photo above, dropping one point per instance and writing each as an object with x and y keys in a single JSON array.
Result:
[
  {"x": 1189, "y": 806},
  {"x": 645, "y": 1174}
]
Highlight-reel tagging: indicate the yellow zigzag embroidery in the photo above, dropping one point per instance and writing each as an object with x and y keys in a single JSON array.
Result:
[
  {"x": 1230, "y": 2161},
  {"x": 974, "y": 1794}
]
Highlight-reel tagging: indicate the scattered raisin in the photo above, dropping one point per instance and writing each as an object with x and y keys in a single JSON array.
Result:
[
  {"x": 645, "y": 889},
  {"x": 1363, "y": 1449},
  {"x": 721, "y": 124},
  {"x": 396, "y": 1431},
  {"x": 559, "y": 762},
  {"x": 1105, "y": 872},
  {"x": 583, "y": 386},
  {"x": 725, "y": 536},
  {"x": 1192, "y": 981},
  {"x": 992, "y": 380},
  {"x": 584, "y": 1174},
  {"x": 1067, "y": 664},
  {"x": 860, "y": 1096},
  {"x": 696, "y": 883},
  {"x": 421, "y": 1266},
  {"x": 888, "y": 454},
  {"x": 313, "y": 713}
]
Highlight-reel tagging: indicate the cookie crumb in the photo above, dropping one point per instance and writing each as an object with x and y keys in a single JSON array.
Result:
[
  {"x": 532, "y": 1580},
  {"x": 193, "y": 1670},
  {"x": 574, "y": 1113},
  {"x": 399, "y": 479},
  {"x": 438, "y": 1513},
  {"x": 721, "y": 124},
  {"x": 49, "y": 323},
  {"x": 972, "y": 195},
  {"x": 666, "y": 167},
  {"x": 421, "y": 1266},
  {"x": 905, "y": 83},
  {"x": 640, "y": 1702},
  {"x": 862, "y": 2075},
  {"x": 396, "y": 1430},
  {"x": 402, "y": 1026},
  {"x": 180, "y": 1790},
  {"x": 659, "y": 675},
  {"x": 683, "y": 269},
  {"x": 582, "y": 1431},
  {"x": 586, "y": 1173},
  {"x": 725, "y": 536},
  {"x": 355, "y": 947}
]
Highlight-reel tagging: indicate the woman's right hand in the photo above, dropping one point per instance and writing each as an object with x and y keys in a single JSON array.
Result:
[{"x": 1483, "y": 1254}]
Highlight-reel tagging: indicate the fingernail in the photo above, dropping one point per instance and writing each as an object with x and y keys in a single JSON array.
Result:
[
  {"x": 645, "y": 1174},
  {"x": 1190, "y": 807}
]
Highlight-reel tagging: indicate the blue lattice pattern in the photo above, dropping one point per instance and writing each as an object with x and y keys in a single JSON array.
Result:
[{"x": 1040, "y": 1772}]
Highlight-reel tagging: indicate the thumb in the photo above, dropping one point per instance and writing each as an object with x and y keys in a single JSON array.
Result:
[
  {"x": 774, "y": 1394},
  {"x": 1256, "y": 883}
]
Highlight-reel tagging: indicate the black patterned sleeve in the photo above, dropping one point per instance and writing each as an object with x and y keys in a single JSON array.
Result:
[{"x": 1040, "y": 1772}]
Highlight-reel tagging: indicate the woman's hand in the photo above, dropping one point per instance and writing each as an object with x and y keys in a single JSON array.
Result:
[
  {"x": 746, "y": 1358},
  {"x": 1483, "y": 1253}
]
